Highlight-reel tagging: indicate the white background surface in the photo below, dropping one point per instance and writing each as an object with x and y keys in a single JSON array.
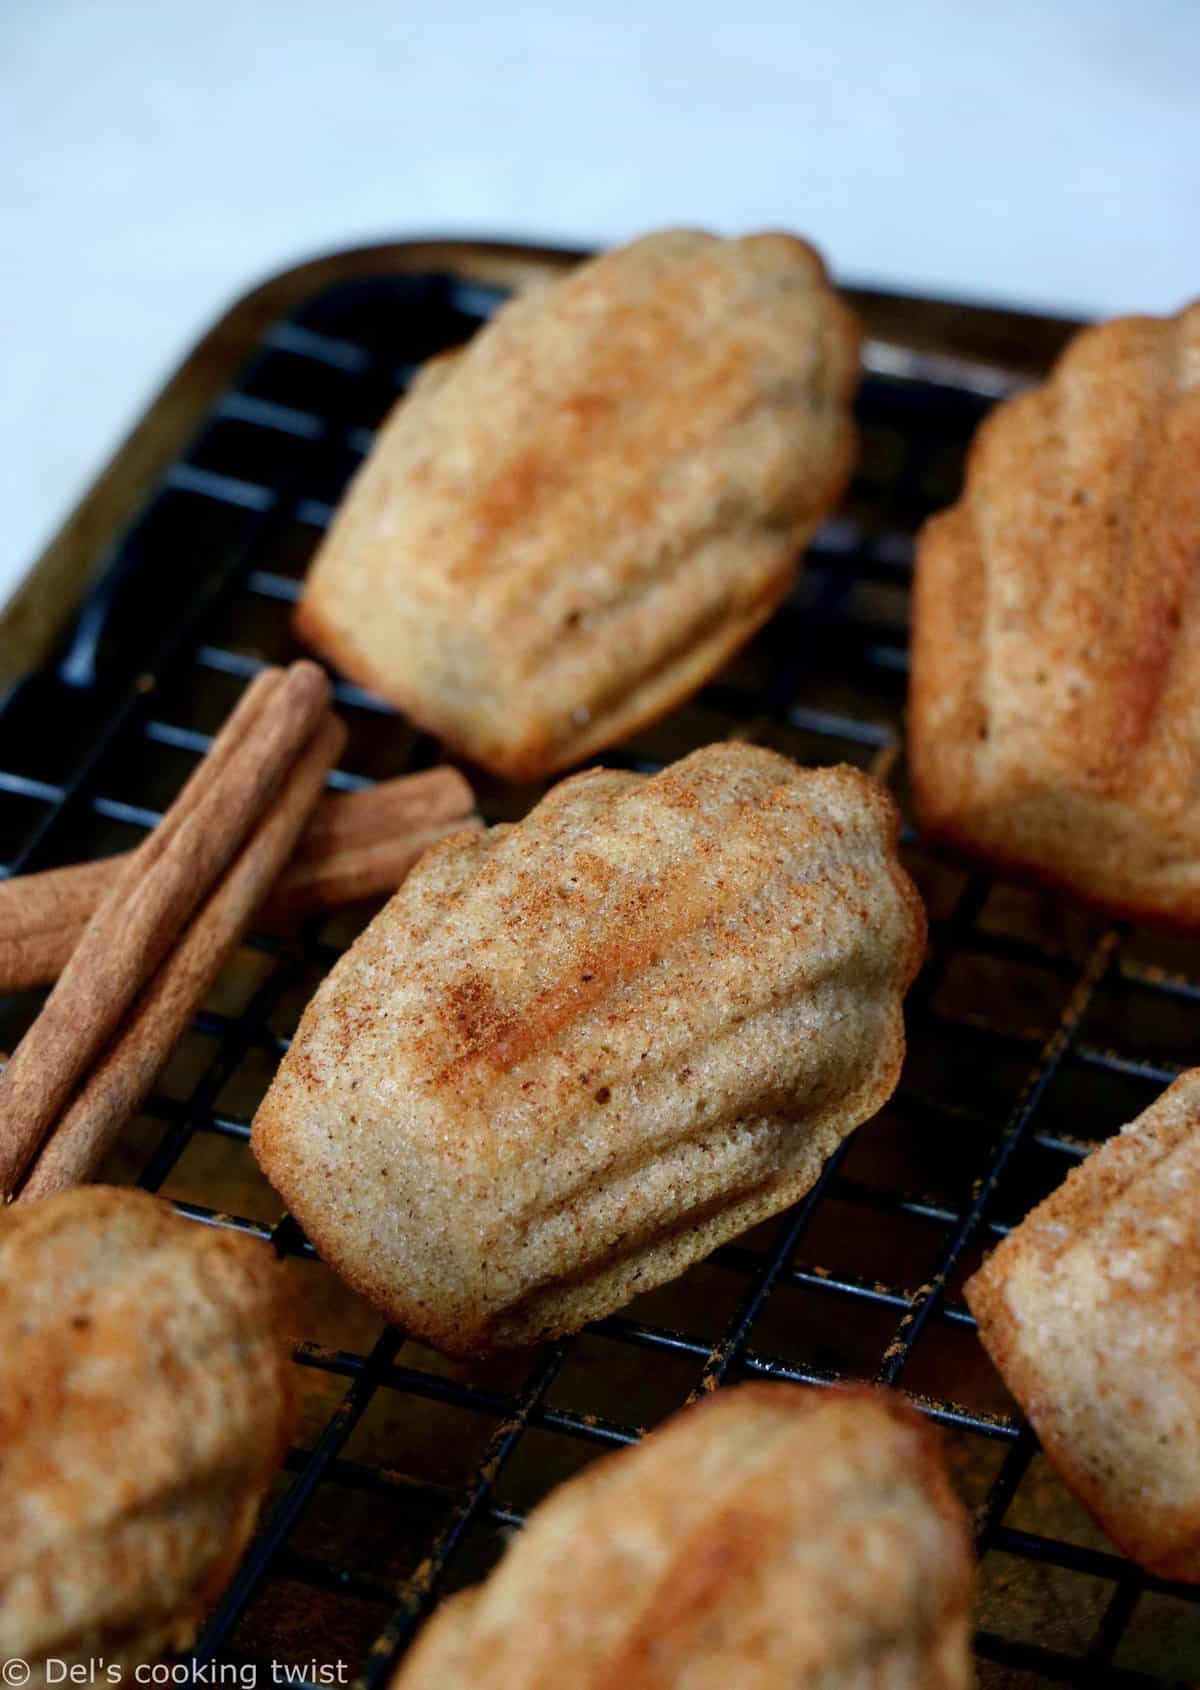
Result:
[{"x": 162, "y": 155}]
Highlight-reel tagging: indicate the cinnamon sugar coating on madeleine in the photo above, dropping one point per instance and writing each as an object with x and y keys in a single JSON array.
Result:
[
  {"x": 772, "y": 1535},
  {"x": 1090, "y": 1310},
  {"x": 568, "y": 526},
  {"x": 1056, "y": 640},
  {"x": 572, "y": 1056},
  {"x": 145, "y": 1403}
]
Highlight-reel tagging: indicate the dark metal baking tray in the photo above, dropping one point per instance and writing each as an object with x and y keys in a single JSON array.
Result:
[{"x": 1034, "y": 1031}]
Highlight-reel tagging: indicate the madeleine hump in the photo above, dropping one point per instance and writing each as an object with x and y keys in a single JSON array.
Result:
[
  {"x": 566, "y": 527},
  {"x": 1053, "y": 729},
  {"x": 572, "y": 1056},
  {"x": 771, "y": 1536},
  {"x": 146, "y": 1402}
]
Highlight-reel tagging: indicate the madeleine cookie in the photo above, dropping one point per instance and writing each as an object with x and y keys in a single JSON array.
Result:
[
  {"x": 567, "y": 527},
  {"x": 773, "y": 1535},
  {"x": 145, "y": 1403},
  {"x": 1056, "y": 633},
  {"x": 1090, "y": 1310},
  {"x": 572, "y": 1056}
]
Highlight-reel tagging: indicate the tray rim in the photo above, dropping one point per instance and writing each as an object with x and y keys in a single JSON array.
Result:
[{"x": 44, "y": 601}]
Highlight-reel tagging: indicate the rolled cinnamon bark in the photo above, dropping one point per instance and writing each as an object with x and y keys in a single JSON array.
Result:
[
  {"x": 151, "y": 900},
  {"x": 356, "y": 845},
  {"x": 119, "y": 1082}
]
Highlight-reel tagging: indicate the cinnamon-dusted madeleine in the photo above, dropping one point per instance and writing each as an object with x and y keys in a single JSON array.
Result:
[
  {"x": 772, "y": 1535},
  {"x": 1090, "y": 1310},
  {"x": 1056, "y": 636},
  {"x": 568, "y": 526},
  {"x": 145, "y": 1403},
  {"x": 572, "y": 1056}
]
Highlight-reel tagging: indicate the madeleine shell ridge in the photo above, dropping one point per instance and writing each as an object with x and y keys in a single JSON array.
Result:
[
  {"x": 1056, "y": 631},
  {"x": 567, "y": 526},
  {"x": 572, "y": 1056}
]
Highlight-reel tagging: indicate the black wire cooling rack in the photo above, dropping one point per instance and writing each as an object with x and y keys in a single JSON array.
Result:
[{"x": 1033, "y": 1032}]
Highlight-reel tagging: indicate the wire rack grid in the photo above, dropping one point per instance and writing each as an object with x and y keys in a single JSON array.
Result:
[{"x": 1033, "y": 1032}]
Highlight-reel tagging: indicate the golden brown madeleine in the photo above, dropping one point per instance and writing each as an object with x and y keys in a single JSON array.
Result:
[
  {"x": 569, "y": 526},
  {"x": 772, "y": 1535},
  {"x": 1090, "y": 1310},
  {"x": 1056, "y": 637},
  {"x": 571, "y": 1057},
  {"x": 145, "y": 1403}
]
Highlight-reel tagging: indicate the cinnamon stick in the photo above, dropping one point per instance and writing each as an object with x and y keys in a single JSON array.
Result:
[
  {"x": 118, "y": 1084},
  {"x": 356, "y": 845},
  {"x": 37, "y": 959},
  {"x": 33, "y": 904},
  {"x": 405, "y": 805},
  {"x": 326, "y": 882},
  {"x": 152, "y": 898}
]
